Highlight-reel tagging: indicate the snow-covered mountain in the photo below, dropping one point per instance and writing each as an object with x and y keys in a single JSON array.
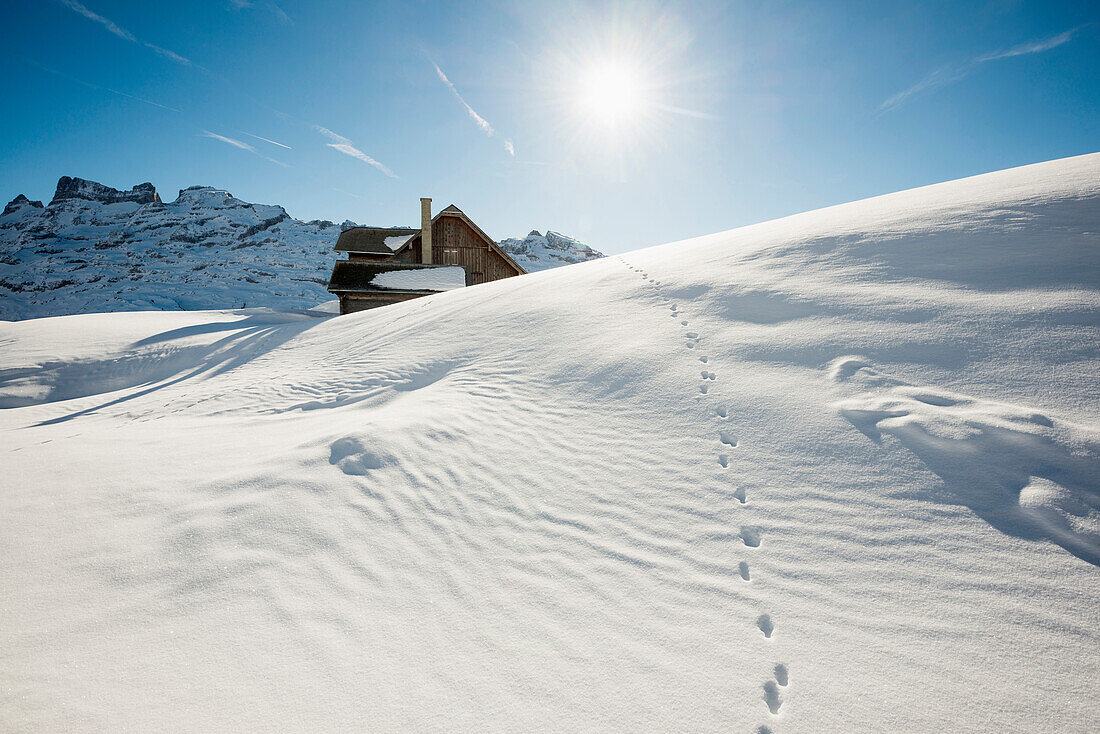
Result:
[
  {"x": 539, "y": 251},
  {"x": 95, "y": 248},
  {"x": 838, "y": 472}
]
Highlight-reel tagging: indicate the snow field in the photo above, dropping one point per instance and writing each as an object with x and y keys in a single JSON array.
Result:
[{"x": 830, "y": 473}]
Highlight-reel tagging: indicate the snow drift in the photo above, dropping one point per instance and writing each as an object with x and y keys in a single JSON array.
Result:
[{"x": 835, "y": 472}]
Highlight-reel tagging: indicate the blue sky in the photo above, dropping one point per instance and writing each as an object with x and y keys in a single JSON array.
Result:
[{"x": 733, "y": 112}]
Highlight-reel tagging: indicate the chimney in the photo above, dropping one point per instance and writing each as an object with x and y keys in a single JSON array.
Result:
[{"x": 426, "y": 231}]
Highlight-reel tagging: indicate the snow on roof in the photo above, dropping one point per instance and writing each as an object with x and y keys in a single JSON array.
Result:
[{"x": 424, "y": 279}]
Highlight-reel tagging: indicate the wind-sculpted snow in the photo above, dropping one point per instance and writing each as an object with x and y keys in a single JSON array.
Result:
[
  {"x": 652, "y": 492},
  {"x": 1014, "y": 467}
]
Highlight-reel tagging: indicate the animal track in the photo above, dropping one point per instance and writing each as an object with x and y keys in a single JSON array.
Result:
[
  {"x": 782, "y": 676},
  {"x": 708, "y": 375},
  {"x": 721, "y": 412},
  {"x": 743, "y": 569},
  {"x": 703, "y": 389},
  {"x": 739, "y": 493},
  {"x": 750, "y": 536},
  {"x": 726, "y": 438},
  {"x": 724, "y": 459},
  {"x": 771, "y": 696},
  {"x": 764, "y": 622},
  {"x": 703, "y": 358}
]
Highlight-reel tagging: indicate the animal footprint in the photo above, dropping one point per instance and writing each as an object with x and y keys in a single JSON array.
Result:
[
  {"x": 723, "y": 459},
  {"x": 743, "y": 569},
  {"x": 722, "y": 412},
  {"x": 750, "y": 536},
  {"x": 691, "y": 335},
  {"x": 771, "y": 696},
  {"x": 764, "y": 622},
  {"x": 726, "y": 438},
  {"x": 782, "y": 677},
  {"x": 703, "y": 358},
  {"x": 703, "y": 389},
  {"x": 683, "y": 323},
  {"x": 739, "y": 493}
]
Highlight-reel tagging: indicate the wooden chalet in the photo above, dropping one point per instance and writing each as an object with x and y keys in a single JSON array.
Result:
[{"x": 448, "y": 239}]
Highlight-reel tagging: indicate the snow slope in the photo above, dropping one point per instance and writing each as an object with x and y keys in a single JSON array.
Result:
[
  {"x": 835, "y": 472},
  {"x": 95, "y": 248}
]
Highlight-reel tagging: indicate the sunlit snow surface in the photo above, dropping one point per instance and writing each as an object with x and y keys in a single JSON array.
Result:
[{"x": 837, "y": 472}]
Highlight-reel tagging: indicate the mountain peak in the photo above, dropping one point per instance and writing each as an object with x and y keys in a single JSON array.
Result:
[
  {"x": 69, "y": 188},
  {"x": 18, "y": 203}
]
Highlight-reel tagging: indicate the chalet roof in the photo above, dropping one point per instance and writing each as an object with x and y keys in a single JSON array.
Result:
[
  {"x": 357, "y": 276},
  {"x": 374, "y": 240},
  {"x": 454, "y": 211}
]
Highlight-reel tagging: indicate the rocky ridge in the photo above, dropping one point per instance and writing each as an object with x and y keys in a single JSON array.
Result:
[{"x": 95, "y": 248}]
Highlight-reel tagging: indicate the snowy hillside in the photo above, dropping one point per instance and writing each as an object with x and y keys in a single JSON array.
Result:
[
  {"x": 95, "y": 249},
  {"x": 835, "y": 472},
  {"x": 540, "y": 251}
]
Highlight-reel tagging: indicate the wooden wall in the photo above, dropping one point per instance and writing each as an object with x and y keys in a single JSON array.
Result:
[{"x": 455, "y": 243}]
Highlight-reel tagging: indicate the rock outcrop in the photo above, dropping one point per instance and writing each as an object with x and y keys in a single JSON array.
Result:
[
  {"x": 18, "y": 203},
  {"x": 79, "y": 188}
]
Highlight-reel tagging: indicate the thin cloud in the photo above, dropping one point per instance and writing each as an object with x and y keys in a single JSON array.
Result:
[
  {"x": 345, "y": 146},
  {"x": 242, "y": 146},
  {"x": 271, "y": 7},
  {"x": 112, "y": 27},
  {"x": 266, "y": 140},
  {"x": 950, "y": 74},
  {"x": 684, "y": 112},
  {"x": 939, "y": 78},
  {"x": 1032, "y": 47},
  {"x": 98, "y": 88},
  {"x": 478, "y": 119},
  {"x": 230, "y": 141}
]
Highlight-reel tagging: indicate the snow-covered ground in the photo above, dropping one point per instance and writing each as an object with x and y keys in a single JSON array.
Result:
[
  {"x": 94, "y": 248},
  {"x": 835, "y": 472}
]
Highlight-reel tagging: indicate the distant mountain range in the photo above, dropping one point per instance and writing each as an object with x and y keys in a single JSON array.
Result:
[{"x": 95, "y": 248}]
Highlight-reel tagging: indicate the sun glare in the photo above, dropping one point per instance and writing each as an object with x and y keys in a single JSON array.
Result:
[{"x": 612, "y": 94}]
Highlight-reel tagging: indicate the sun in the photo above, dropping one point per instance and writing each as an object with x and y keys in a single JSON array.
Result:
[{"x": 612, "y": 94}]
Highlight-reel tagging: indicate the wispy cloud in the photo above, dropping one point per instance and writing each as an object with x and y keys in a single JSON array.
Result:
[
  {"x": 1031, "y": 47},
  {"x": 950, "y": 74},
  {"x": 939, "y": 78},
  {"x": 345, "y": 146},
  {"x": 241, "y": 145},
  {"x": 112, "y": 27},
  {"x": 480, "y": 121},
  {"x": 97, "y": 87},
  {"x": 684, "y": 112},
  {"x": 230, "y": 141},
  {"x": 266, "y": 140},
  {"x": 271, "y": 7}
]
